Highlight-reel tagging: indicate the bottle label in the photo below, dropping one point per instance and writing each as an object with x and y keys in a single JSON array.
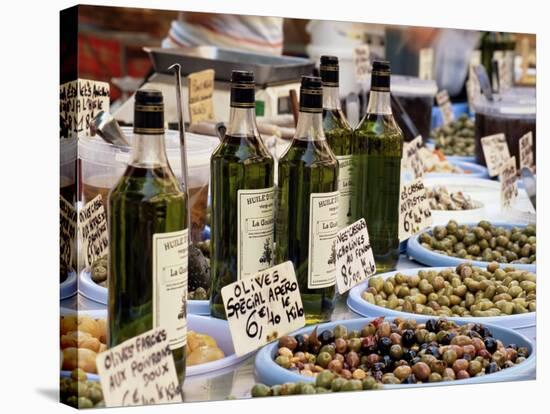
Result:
[
  {"x": 323, "y": 227},
  {"x": 170, "y": 261},
  {"x": 256, "y": 218},
  {"x": 345, "y": 188}
]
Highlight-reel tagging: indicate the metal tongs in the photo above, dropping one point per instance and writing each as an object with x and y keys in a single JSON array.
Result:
[{"x": 106, "y": 126}]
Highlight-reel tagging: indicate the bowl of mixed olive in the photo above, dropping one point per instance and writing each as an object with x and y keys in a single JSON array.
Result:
[
  {"x": 457, "y": 138},
  {"x": 398, "y": 353},
  {"x": 478, "y": 243},
  {"x": 496, "y": 294}
]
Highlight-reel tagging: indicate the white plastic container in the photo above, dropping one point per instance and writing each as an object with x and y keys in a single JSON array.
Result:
[{"x": 102, "y": 165}]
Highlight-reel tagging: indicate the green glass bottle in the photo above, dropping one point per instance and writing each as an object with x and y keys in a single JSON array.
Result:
[
  {"x": 307, "y": 206},
  {"x": 148, "y": 239},
  {"x": 377, "y": 150},
  {"x": 339, "y": 136},
  {"x": 243, "y": 213}
]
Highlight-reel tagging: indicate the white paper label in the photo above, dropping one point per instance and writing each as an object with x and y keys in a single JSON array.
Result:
[
  {"x": 473, "y": 88},
  {"x": 361, "y": 62},
  {"x": 425, "y": 63},
  {"x": 414, "y": 209},
  {"x": 92, "y": 224},
  {"x": 526, "y": 156},
  {"x": 255, "y": 212},
  {"x": 201, "y": 93},
  {"x": 323, "y": 226},
  {"x": 67, "y": 231},
  {"x": 508, "y": 183},
  {"x": 345, "y": 188},
  {"x": 263, "y": 307},
  {"x": 413, "y": 159},
  {"x": 170, "y": 261},
  {"x": 139, "y": 371},
  {"x": 496, "y": 152},
  {"x": 444, "y": 102},
  {"x": 354, "y": 256}
]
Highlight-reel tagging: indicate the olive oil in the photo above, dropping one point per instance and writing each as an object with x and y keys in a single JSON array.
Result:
[
  {"x": 242, "y": 176},
  {"x": 339, "y": 136},
  {"x": 377, "y": 149},
  {"x": 148, "y": 239},
  {"x": 307, "y": 207}
]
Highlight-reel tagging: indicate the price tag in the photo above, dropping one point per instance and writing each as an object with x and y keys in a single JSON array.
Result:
[
  {"x": 67, "y": 231},
  {"x": 473, "y": 88},
  {"x": 526, "y": 157},
  {"x": 413, "y": 158},
  {"x": 414, "y": 209},
  {"x": 496, "y": 152},
  {"x": 361, "y": 62},
  {"x": 425, "y": 63},
  {"x": 201, "y": 91},
  {"x": 79, "y": 103},
  {"x": 92, "y": 225},
  {"x": 444, "y": 103},
  {"x": 508, "y": 183},
  {"x": 139, "y": 371},
  {"x": 263, "y": 307},
  {"x": 354, "y": 257}
]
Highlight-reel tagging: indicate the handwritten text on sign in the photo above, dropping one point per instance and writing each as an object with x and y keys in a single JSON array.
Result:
[
  {"x": 413, "y": 160},
  {"x": 361, "y": 62},
  {"x": 444, "y": 103},
  {"x": 67, "y": 231},
  {"x": 79, "y": 102},
  {"x": 92, "y": 223},
  {"x": 354, "y": 257},
  {"x": 496, "y": 152},
  {"x": 139, "y": 371},
  {"x": 263, "y": 307},
  {"x": 508, "y": 183},
  {"x": 426, "y": 63},
  {"x": 526, "y": 157},
  {"x": 201, "y": 91},
  {"x": 414, "y": 209}
]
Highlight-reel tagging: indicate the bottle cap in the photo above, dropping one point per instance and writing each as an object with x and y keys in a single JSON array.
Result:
[
  {"x": 148, "y": 112},
  {"x": 329, "y": 70},
  {"x": 380, "y": 77},
  {"x": 311, "y": 94},
  {"x": 242, "y": 89}
]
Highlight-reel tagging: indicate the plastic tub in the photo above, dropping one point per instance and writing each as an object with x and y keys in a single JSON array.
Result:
[
  {"x": 67, "y": 168},
  {"x": 102, "y": 165},
  {"x": 68, "y": 287},
  {"x": 525, "y": 324},
  {"x": 431, "y": 258},
  {"x": 269, "y": 373}
]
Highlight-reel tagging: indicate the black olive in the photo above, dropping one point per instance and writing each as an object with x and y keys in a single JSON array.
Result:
[
  {"x": 326, "y": 337},
  {"x": 411, "y": 379},
  {"x": 379, "y": 366},
  {"x": 431, "y": 325},
  {"x": 513, "y": 346},
  {"x": 467, "y": 357},
  {"x": 384, "y": 345},
  {"x": 408, "y": 337},
  {"x": 301, "y": 344},
  {"x": 491, "y": 368},
  {"x": 378, "y": 375},
  {"x": 474, "y": 334},
  {"x": 409, "y": 355},
  {"x": 446, "y": 339},
  {"x": 425, "y": 345},
  {"x": 433, "y": 350},
  {"x": 482, "y": 330},
  {"x": 414, "y": 360},
  {"x": 386, "y": 359},
  {"x": 490, "y": 344}
]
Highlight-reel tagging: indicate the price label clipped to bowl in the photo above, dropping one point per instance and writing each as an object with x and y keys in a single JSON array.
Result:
[
  {"x": 414, "y": 209},
  {"x": 361, "y": 63},
  {"x": 263, "y": 307},
  {"x": 354, "y": 257},
  {"x": 92, "y": 224},
  {"x": 496, "y": 152},
  {"x": 139, "y": 371},
  {"x": 201, "y": 92},
  {"x": 508, "y": 183},
  {"x": 526, "y": 156},
  {"x": 413, "y": 159},
  {"x": 444, "y": 102}
]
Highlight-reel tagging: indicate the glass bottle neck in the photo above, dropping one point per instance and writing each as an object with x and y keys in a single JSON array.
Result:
[
  {"x": 310, "y": 127},
  {"x": 331, "y": 97},
  {"x": 148, "y": 151},
  {"x": 379, "y": 103},
  {"x": 242, "y": 122}
]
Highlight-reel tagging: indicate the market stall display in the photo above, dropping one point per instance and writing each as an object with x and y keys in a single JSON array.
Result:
[{"x": 456, "y": 138}]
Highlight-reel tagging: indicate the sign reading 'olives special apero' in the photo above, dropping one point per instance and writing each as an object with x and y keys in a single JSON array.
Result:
[
  {"x": 263, "y": 307},
  {"x": 92, "y": 225}
]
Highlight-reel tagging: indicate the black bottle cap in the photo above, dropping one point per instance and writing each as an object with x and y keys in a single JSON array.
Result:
[
  {"x": 380, "y": 78},
  {"x": 148, "y": 112},
  {"x": 242, "y": 89},
  {"x": 311, "y": 94},
  {"x": 329, "y": 70}
]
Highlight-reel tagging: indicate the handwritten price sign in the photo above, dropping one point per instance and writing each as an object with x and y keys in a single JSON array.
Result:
[
  {"x": 201, "y": 92},
  {"x": 361, "y": 62},
  {"x": 92, "y": 224},
  {"x": 444, "y": 102},
  {"x": 508, "y": 183},
  {"x": 526, "y": 157},
  {"x": 413, "y": 160},
  {"x": 414, "y": 209},
  {"x": 496, "y": 152}
]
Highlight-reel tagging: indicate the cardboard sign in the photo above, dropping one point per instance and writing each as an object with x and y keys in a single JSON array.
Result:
[
  {"x": 508, "y": 183},
  {"x": 526, "y": 157},
  {"x": 67, "y": 231},
  {"x": 139, "y": 371},
  {"x": 505, "y": 62},
  {"x": 444, "y": 102},
  {"x": 79, "y": 103},
  {"x": 201, "y": 91},
  {"x": 414, "y": 209},
  {"x": 354, "y": 257},
  {"x": 413, "y": 158},
  {"x": 496, "y": 152},
  {"x": 361, "y": 62},
  {"x": 263, "y": 307},
  {"x": 426, "y": 63},
  {"x": 92, "y": 224}
]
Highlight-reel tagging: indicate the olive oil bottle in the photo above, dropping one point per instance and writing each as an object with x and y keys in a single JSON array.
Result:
[
  {"x": 307, "y": 206},
  {"x": 148, "y": 238},
  {"x": 377, "y": 150},
  {"x": 339, "y": 136},
  {"x": 243, "y": 217}
]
